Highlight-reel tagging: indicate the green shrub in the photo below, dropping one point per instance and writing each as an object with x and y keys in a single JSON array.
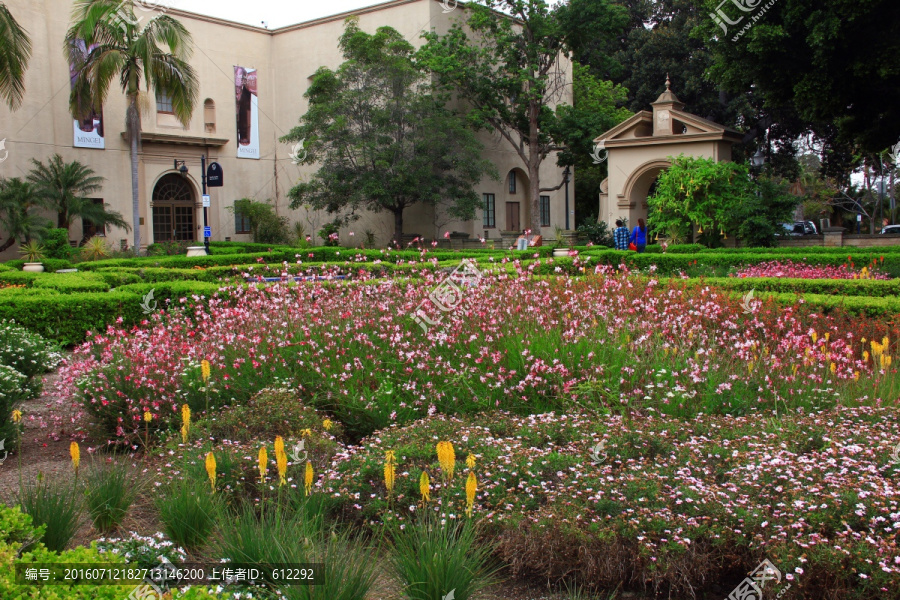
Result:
[
  {"x": 188, "y": 510},
  {"x": 25, "y": 278},
  {"x": 110, "y": 489},
  {"x": 16, "y": 527},
  {"x": 267, "y": 414},
  {"x": 66, "y": 318},
  {"x": 56, "y": 244},
  {"x": 50, "y": 264},
  {"x": 53, "y": 504},
  {"x": 264, "y": 534},
  {"x": 872, "y": 288},
  {"x": 68, "y": 283},
  {"x": 432, "y": 558},
  {"x": 348, "y": 569},
  {"x": 686, "y": 248},
  {"x": 116, "y": 277}
]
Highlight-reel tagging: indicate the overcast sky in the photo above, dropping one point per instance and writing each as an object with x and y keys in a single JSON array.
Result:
[{"x": 276, "y": 13}]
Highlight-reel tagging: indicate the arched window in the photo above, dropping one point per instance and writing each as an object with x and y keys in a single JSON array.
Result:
[
  {"x": 173, "y": 209},
  {"x": 209, "y": 115},
  {"x": 512, "y": 182}
]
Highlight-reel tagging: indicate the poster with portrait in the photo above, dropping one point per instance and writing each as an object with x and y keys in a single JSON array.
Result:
[
  {"x": 247, "y": 105},
  {"x": 86, "y": 132}
]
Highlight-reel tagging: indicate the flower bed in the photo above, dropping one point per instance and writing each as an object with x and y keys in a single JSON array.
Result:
[{"x": 803, "y": 270}]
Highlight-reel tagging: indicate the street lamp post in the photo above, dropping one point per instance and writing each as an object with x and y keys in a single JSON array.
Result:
[
  {"x": 181, "y": 167},
  {"x": 567, "y": 174}
]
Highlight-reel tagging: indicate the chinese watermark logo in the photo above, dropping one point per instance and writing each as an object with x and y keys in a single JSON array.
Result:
[
  {"x": 450, "y": 595},
  {"x": 449, "y": 294},
  {"x": 596, "y": 452},
  {"x": 723, "y": 19},
  {"x": 895, "y": 153},
  {"x": 145, "y": 302},
  {"x": 745, "y": 303},
  {"x": 298, "y": 152},
  {"x": 895, "y": 455},
  {"x": 600, "y": 147},
  {"x": 3, "y": 449},
  {"x": 751, "y": 588},
  {"x": 3, "y": 150},
  {"x": 296, "y": 450},
  {"x": 449, "y": 6}
]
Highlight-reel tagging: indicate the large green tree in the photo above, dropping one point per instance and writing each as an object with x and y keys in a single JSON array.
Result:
[
  {"x": 20, "y": 208},
  {"x": 107, "y": 41},
  {"x": 507, "y": 62},
  {"x": 834, "y": 63},
  {"x": 67, "y": 187},
  {"x": 383, "y": 140},
  {"x": 15, "y": 51},
  {"x": 720, "y": 199}
]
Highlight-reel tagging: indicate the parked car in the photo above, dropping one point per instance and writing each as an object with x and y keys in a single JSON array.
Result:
[
  {"x": 891, "y": 230},
  {"x": 800, "y": 228}
]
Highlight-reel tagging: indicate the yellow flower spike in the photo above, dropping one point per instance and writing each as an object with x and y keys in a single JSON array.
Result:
[
  {"x": 280, "y": 460},
  {"x": 211, "y": 470},
  {"x": 833, "y": 368},
  {"x": 888, "y": 360},
  {"x": 390, "y": 473},
  {"x": 327, "y": 424},
  {"x": 864, "y": 341},
  {"x": 750, "y": 367},
  {"x": 17, "y": 416},
  {"x": 185, "y": 422},
  {"x": 865, "y": 356},
  {"x": 306, "y": 432},
  {"x": 814, "y": 336},
  {"x": 471, "y": 488},
  {"x": 147, "y": 416},
  {"x": 470, "y": 461},
  {"x": 855, "y": 375},
  {"x": 794, "y": 369},
  {"x": 827, "y": 336},
  {"x": 75, "y": 453},
  {"x": 447, "y": 459},
  {"x": 308, "y": 478},
  {"x": 425, "y": 487},
  {"x": 204, "y": 370},
  {"x": 263, "y": 464}
]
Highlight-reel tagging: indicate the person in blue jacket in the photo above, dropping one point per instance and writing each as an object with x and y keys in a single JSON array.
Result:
[{"x": 639, "y": 236}]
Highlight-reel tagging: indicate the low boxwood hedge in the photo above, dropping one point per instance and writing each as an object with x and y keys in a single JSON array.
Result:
[
  {"x": 72, "y": 282},
  {"x": 862, "y": 305},
  {"x": 50, "y": 264}
]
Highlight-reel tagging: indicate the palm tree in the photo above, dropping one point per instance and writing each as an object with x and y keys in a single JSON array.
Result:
[
  {"x": 15, "y": 50},
  {"x": 18, "y": 218},
  {"x": 66, "y": 187},
  {"x": 106, "y": 41}
]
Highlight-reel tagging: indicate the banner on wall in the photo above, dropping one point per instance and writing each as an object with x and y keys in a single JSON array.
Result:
[
  {"x": 247, "y": 103},
  {"x": 87, "y": 132}
]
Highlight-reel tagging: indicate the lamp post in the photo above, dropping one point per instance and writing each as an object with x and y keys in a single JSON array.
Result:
[
  {"x": 757, "y": 161},
  {"x": 181, "y": 167},
  {"x": 567, "y": 174}
]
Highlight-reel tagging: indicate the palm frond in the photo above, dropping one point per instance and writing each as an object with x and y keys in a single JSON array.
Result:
[{"x": 15, "y": 51}]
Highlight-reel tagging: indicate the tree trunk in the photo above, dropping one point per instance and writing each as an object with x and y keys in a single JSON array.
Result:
[
  {"x": 534, "y": 167},
  {"x": 9, "y": 242},
  {"x": 398, "y": 226},
  {"x": 62, "y": 220},
  {"x": 135, "y": 205}
]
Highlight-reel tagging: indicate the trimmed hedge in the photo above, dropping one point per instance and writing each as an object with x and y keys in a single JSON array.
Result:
[
  {"x": 843, "y": 287},
  {"x": 862, "y": 305},
  {"x": 67, "y": 318},
  {"x": 72, "y": 282},
  {"x": 50, "y": 264}
]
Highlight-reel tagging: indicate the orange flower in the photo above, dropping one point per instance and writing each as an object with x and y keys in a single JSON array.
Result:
[{"x": 211, "y": 469}]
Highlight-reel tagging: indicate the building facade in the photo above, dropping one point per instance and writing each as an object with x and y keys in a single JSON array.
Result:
[{"x": 252, "y": 82}]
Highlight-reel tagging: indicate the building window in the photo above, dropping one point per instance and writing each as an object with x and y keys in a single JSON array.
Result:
[
  {"x": 545, "y": 211},
  {"x": 241, "y": 223},
  {"x": 512, "y": 182},
  {"x": 490, "y": 213},
  {"x": 88, "y": 229},
  {"x": 164, "y": 103},
  {"x": 209, "y": 115}
]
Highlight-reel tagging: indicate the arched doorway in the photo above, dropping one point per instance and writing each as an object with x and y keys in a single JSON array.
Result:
[
  {"x": 173, "y": 209},
  {"x": 517, "y": 208},
  {"x": 641, "y": 186}
]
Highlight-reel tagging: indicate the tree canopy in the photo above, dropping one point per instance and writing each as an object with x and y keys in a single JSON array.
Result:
[{"x": 384, "y": 140}]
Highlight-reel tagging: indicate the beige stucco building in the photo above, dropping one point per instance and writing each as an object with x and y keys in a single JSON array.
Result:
[
  {"x": 639, "y": 148},
  {"x": 284, "y": 60}
]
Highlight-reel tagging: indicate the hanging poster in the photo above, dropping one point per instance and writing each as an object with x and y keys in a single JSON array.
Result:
[
  {"x": 87, "y": 132},
  {"x": 247, "y": 104}
]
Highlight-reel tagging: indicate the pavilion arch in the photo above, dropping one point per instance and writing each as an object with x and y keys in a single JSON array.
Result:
[{"x": 638, "y": 150}]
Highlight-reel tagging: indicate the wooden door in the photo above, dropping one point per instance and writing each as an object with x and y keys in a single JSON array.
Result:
[{"x": 512, "y": 217}]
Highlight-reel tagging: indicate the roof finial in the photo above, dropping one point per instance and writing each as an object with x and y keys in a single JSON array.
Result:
[{"x": 668, "y": 83}]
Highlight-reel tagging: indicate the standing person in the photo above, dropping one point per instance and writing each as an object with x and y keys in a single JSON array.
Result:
[
  {"x": 639, "y": 236},
  {"x": 620, "y": 235}
]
